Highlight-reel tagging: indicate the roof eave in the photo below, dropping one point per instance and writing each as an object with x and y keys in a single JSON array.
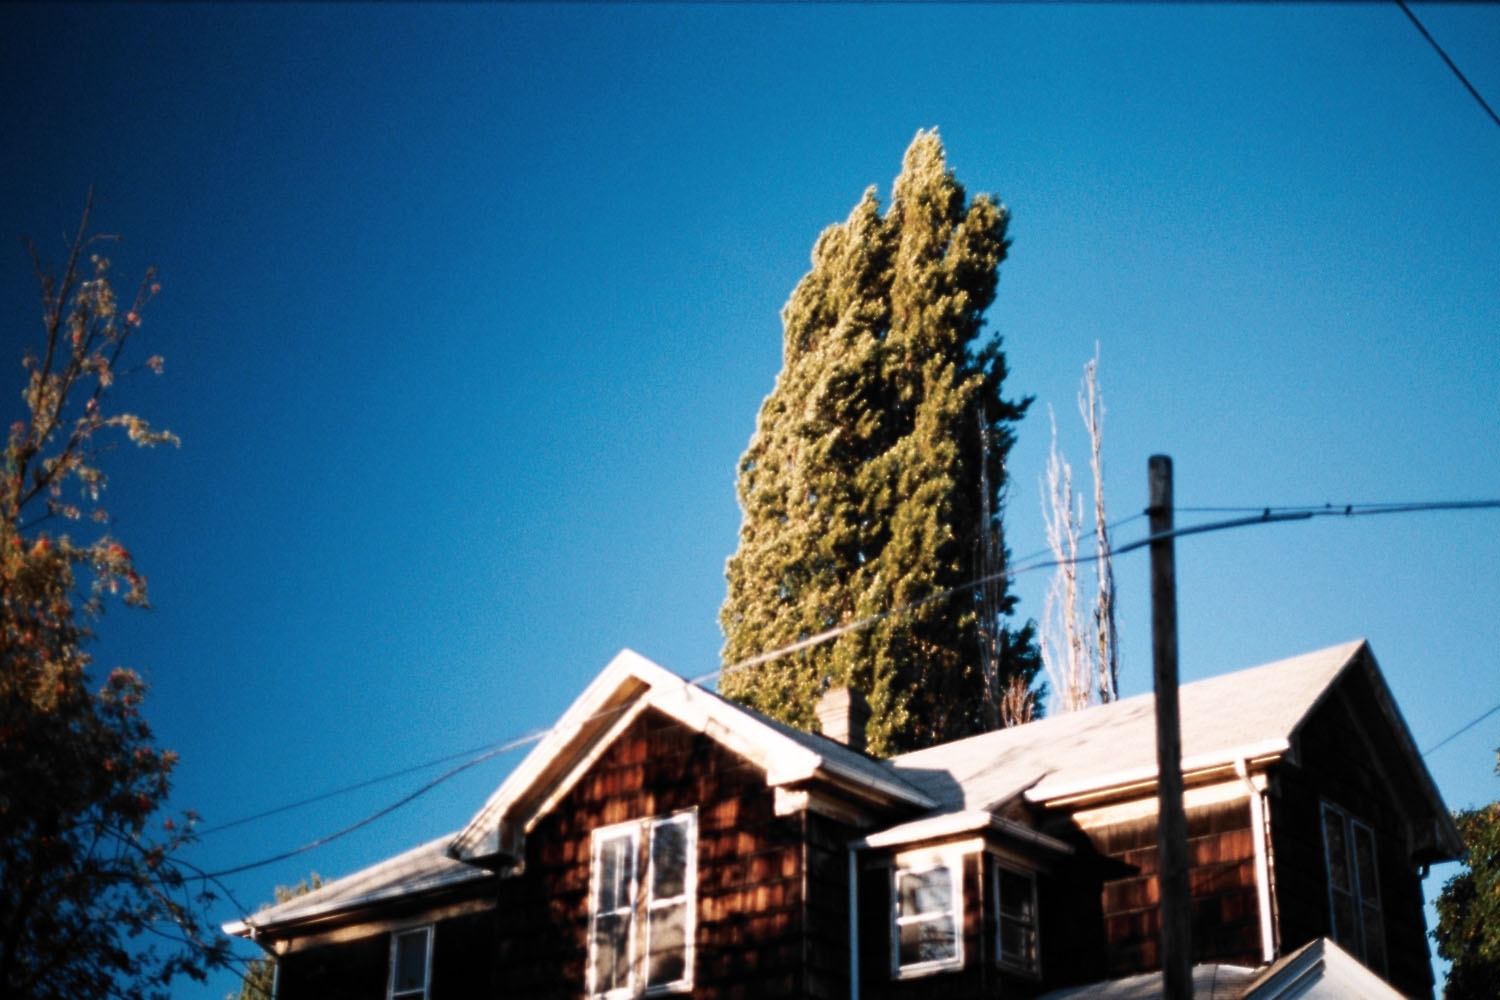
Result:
[{"x": 1196, "y": 765}]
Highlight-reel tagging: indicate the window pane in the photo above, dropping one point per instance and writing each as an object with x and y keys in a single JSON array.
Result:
[
  {"x": 1016, "y": 895},
  {"x": 668, "y": 961},
  {"x": 926, "y": 892},
  {"x": 1364, "y": 862},
  {"x": 1338, "y": 851},
  {"x": 928, "y": 941},
  {"x": 615, "y": 873},
  {"x": 411, "y": 962},
  {"x": 1343, "y": 922},
  {"x": 1374, "y": 939},
  {"x": 611, "y": 951},
  {"x": 1017, "y": 942},
  {"x": 669, "y": 842}
]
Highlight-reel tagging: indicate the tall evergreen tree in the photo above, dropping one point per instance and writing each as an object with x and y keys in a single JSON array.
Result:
[{"x": 863, "y": 487}]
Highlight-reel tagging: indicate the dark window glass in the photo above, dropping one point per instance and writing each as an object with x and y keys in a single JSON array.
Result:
[
  {"x": 928, "y": 941},
  {"x": 1353, "y": 887},
  {"x": 669, "y": 860},
  {"x": 611, "y": 951},
  {"x": 409, "y": 976},
  {"x": 616, "y": 871},
  {"x": 1017, "y": 906}
]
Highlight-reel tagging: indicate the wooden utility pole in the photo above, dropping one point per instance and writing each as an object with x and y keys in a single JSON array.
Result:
[{"x": 1171, "y": 830}]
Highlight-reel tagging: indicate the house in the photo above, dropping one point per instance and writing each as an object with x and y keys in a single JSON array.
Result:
[{"x": 663, "y": 841}]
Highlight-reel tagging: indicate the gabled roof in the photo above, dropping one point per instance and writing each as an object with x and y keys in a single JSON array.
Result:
[
  {"x": 964, "y": 786},
  {"x": 425, "y": 868},
  {"x": 1210, "y": 982},
  {"x": 632, "y": 683},
  {"x": 1319, "y": 970},
  {"x": 1249, "y": 715}
]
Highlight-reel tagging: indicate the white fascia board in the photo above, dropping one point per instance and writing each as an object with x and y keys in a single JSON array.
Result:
[
  {"x": 628, "y": 680},
  {"x": 929, "y": 828},
  {"x": 952, "y": 824},
  {"x": 1045, "y": 791},
  {"x": 1408, "y": 745},
  {"x": 480, "y": 836},
  {"x": 784, "y": 761}
]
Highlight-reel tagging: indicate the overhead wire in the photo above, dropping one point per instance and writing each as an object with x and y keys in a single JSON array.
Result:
[
  {"x": 1451, "y": 65},
  {"x": 484, "y": 750},
  {"x": 385, "y": 810},
  {"x": 345, "y": 789},
  {"x": 1255, "y": 515},
  {"x": 1461, "y": 730}
]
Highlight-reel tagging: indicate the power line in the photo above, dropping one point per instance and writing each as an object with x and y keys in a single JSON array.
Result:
[
  {"x": 429, "y": 786},
  {"x": 1456, "y": 71},
  {"x": 356, "y": 786},
  {"x": 1261, "y": 515},
  {"x": 483, "y": 751},
  {"x": 1460, "y": 731}
]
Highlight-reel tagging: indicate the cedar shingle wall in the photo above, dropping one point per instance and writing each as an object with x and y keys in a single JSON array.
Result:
[
  {"x": 749, "y": 935},
  {"x": 1226, "y": 917},
  {"x": 1337, "y": 755}
]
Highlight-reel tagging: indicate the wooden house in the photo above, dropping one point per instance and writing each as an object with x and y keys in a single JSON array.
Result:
[{"x": 661, "y": 841}]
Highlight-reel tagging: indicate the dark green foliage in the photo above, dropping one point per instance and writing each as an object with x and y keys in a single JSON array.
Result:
[
  {"x": 862, "y": 489},
  {"x": 1468, "y": 930}
]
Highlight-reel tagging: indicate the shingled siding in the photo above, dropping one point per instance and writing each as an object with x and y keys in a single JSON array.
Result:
[
  {"x": 1226, "y": 915},
  {"x": 359, "y": 969},
  {"x": 1337, "y": 764},
  {"x": 749, "y": 938}
]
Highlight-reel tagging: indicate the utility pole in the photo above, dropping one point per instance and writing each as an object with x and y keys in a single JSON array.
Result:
[{"x": 1171, "y": 830}]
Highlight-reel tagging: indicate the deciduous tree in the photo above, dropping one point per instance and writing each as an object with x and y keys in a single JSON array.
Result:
[
  {"x": 875, "y": 477},
  {"x": 94, "y": 900},
  {"x": 1468, "y": 929},
  {"x": 1082, "y": 661}
]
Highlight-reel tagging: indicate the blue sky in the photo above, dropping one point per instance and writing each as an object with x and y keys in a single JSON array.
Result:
[{"x": 468, "y": 312}]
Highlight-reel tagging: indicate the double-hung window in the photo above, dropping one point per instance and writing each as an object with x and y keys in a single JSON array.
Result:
[
  {"x": 1353, "y": 887},
  {"x": 1015, "y": 919},
  {"x": 411, "y": 964},
  {"x": 926, "y": 917},
  {"x": 641, "y": 890}
]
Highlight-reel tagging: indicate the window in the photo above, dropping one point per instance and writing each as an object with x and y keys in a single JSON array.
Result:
[
  {"x": 411, "y": 964},
  {"x": 1353, "y": 887},
  {"x": 641, "y": 888},
  {"x": 926, "y": 916},
  {"x": 1015, "y": 919}
]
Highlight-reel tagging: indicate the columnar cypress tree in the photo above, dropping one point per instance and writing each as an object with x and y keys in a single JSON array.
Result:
[{"x": 862, "y": 486}]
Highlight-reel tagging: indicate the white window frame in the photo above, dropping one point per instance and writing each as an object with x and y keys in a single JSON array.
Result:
[
  {"x": 631, "y": 831},
  {"x": 687, "y": 899},
  {"x": 921, "y": 865},
  {"x": 426, "y": 988},
  {"x": 1365, "y": 899},
  {"x": 1033, "y": 967},
  {"x": 642, "y": 903}
]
